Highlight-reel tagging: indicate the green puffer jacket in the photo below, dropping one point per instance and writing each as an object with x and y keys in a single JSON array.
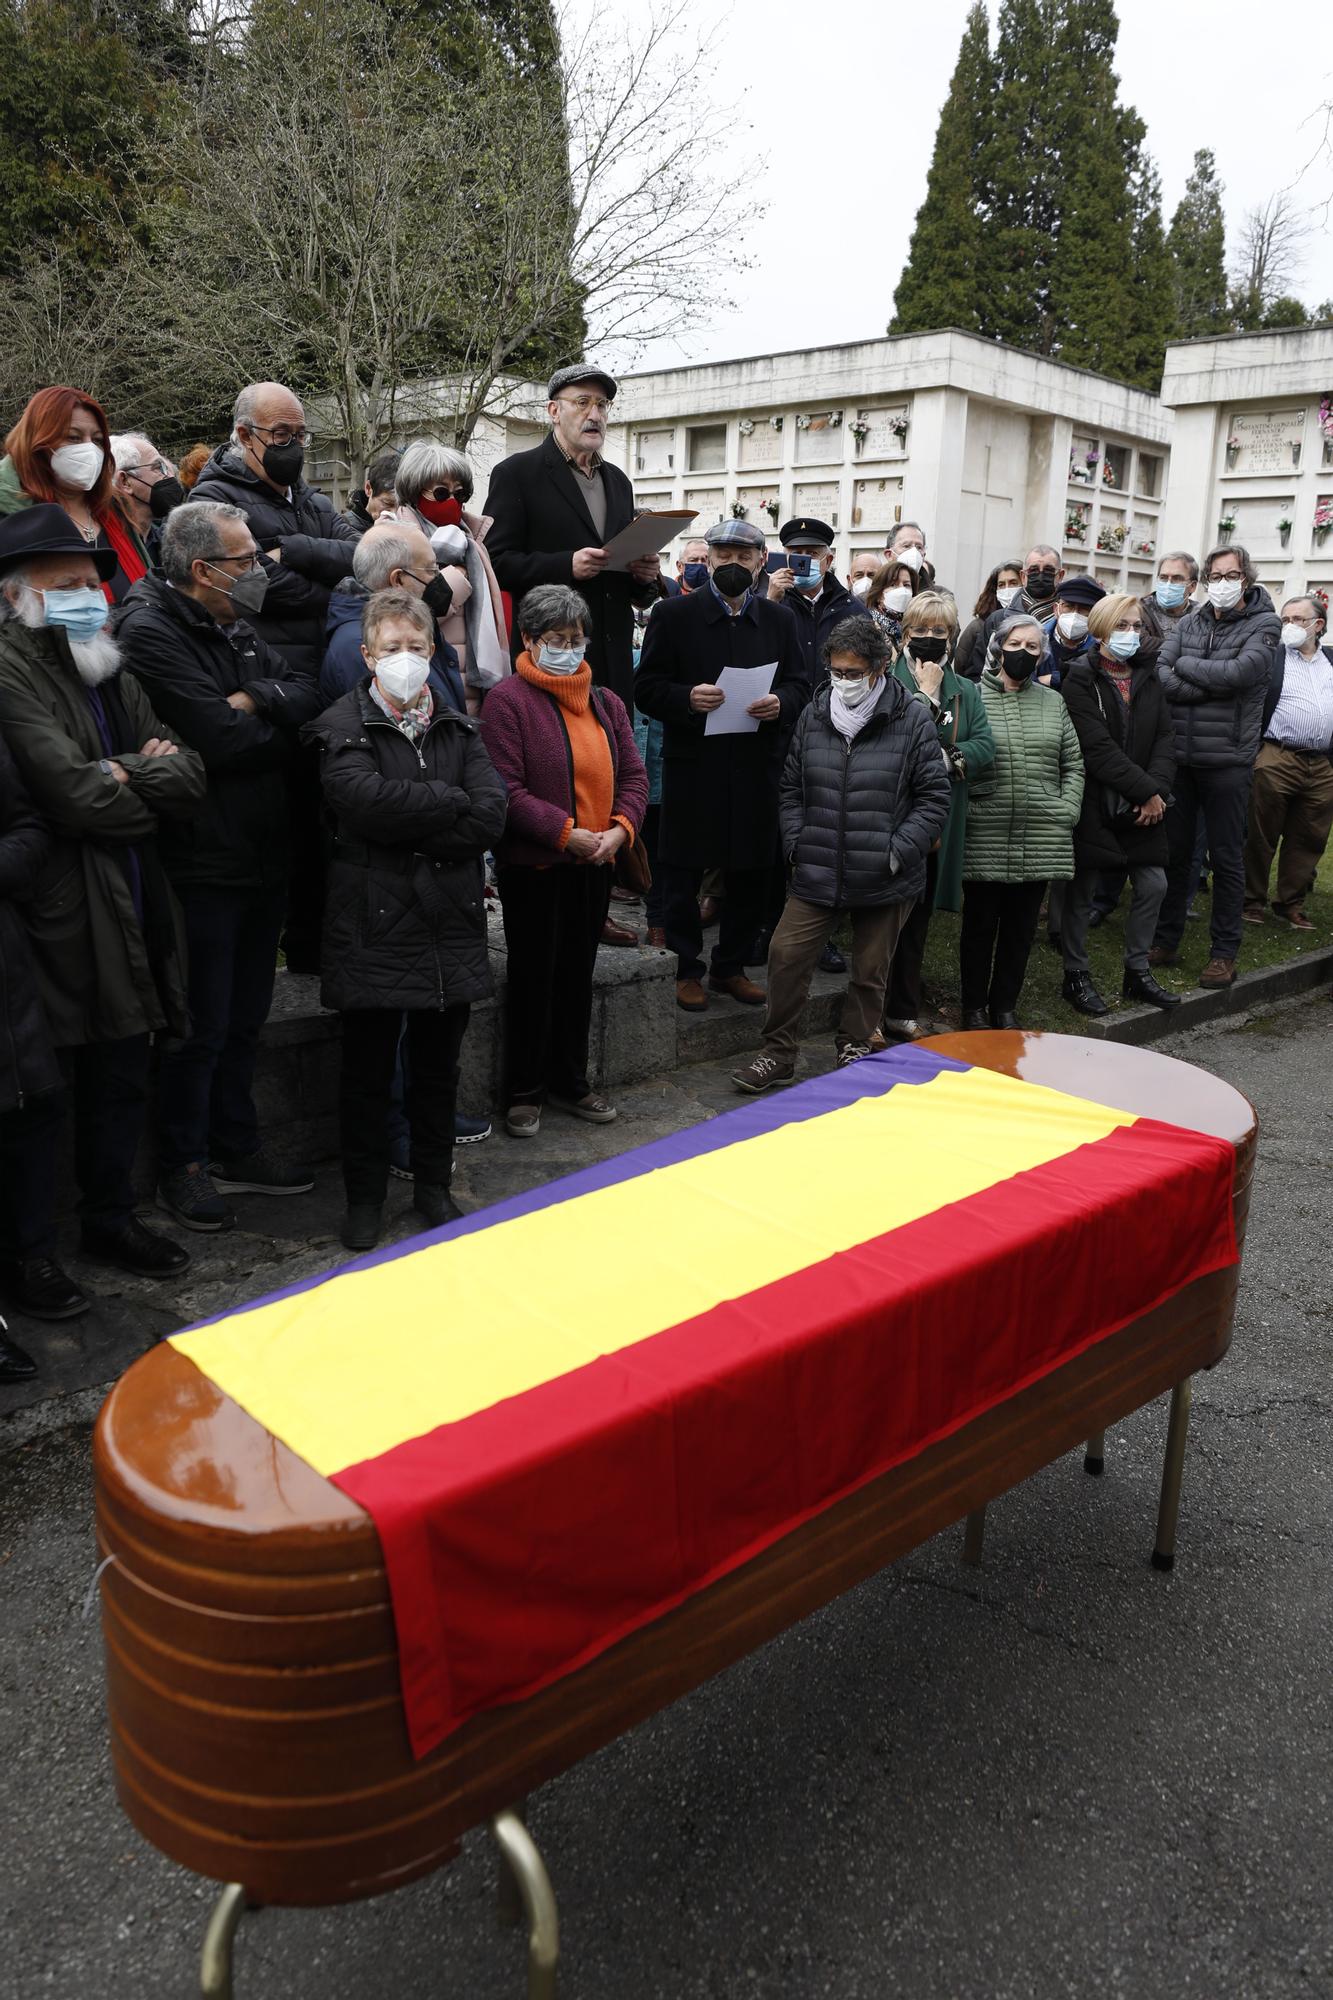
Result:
[{"x": 1022, "y": 813}]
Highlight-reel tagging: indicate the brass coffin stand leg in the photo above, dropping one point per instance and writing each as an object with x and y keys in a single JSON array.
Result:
[
  {"x": 1094, "y": 1458},
  {"x": 523, "y": 1878},
  {"x": 215, "y": 1960},
  {"x": 974, "y": 1534},
  {"x": 1177, "y": 1432}
]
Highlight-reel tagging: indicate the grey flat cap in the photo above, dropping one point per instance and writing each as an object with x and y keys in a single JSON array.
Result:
[
  {"x": 580, "y": 371},
  {"x": 734, "y": 535}
]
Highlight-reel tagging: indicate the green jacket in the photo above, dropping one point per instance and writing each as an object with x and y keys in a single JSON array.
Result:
[
  {"x": 959, "y": 716},
  {"x": 1021, "y": 816},
  {"x": 99, "y": 981}
]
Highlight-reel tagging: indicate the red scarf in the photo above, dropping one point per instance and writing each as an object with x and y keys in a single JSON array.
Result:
[{"x": 126, "y": 545}]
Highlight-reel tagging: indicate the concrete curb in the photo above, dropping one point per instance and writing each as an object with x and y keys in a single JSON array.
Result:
[{"x": 1196, "y": 1009}]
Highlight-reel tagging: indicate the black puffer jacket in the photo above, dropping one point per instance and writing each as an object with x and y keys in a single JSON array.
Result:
[
  {"x": 860, "y": 817},
  {"x": 27, "y": 1061},
  {"x": 816, "y": 619},
  {"x": 404, "y": 923},
  {"x": 315, "y": 544},
  {"x": 1215, "y": 672},
  {"x": 187, "y": 666},
  {"x": 1127, "y": 756}
]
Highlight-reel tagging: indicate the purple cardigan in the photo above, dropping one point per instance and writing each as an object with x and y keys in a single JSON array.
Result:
[{"x": 524, "y": 731}]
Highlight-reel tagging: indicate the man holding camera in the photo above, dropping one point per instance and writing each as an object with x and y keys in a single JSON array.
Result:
[{"x": 812, "y": 593}]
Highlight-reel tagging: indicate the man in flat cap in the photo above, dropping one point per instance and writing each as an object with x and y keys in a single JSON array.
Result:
[
  {"x": 107, "y": 938},
  {"x": 720, "y": 792},
  {"x": 816, "y": 598},
  {"x": 553, "y": 509}
]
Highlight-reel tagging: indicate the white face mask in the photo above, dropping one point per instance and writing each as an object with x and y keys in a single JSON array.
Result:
[
  {"x": 861, "y": 586},
  {"x": 402, "y": 676},
  {"x": 1072, "y": 626},
  {"x": 897, "y": 600},
  {"x": 1294, "y": 635},
  {"x": 560, "y": 659},
  {"x": 852, "y": 693},
  {"x": 910, "y": 555},
  {"x": 78, "y": 465},
  {"x": 1225, "y": 593},
  {"x": 1005, "y": 597}
]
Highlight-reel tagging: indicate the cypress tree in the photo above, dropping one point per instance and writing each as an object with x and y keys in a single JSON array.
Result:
[
  {"x": 1091, "y": 283},
  {"x": 944, "y": 278},
  {"x": 1154, "y": 316},
  {"x": 1023, "y": 170},
  {"x": 1197, "y": 243}
]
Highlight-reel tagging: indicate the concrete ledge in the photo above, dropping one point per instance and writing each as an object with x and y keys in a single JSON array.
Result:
[{"x": 1252, "y": 989}]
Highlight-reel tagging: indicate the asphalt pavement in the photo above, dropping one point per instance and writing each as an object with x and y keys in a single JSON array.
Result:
[{"x": 1063, "y": 1773}]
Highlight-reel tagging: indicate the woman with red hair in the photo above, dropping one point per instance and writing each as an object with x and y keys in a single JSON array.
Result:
[{"x": 60, "y": 450}]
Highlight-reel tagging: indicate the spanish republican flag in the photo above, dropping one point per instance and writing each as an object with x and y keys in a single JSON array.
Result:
[{"x": 586, "y": 1404}]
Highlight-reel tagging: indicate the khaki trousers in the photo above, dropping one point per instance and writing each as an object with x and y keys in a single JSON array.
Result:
[
  {"x": 1291, "y": 802},
  {"x": 801, "y": 935}
]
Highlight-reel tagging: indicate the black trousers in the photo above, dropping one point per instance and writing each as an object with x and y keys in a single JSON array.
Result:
[
  {"x": 553, "y": 921},
  {"x": 903, "y": 999},
  {"x": 370, "y": 1052},
  {"x": 999, "y": 924},
  {"x": 1221, "y": 798},
  {"x": 744, "y": 909},
  {"x": 206, "y": 1107},
  {"x": 107, "y": 1087},
  {"x": 654, "y": 906}
]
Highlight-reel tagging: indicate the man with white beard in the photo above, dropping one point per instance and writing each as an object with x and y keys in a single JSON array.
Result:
[{"x": 106, "y": 932}]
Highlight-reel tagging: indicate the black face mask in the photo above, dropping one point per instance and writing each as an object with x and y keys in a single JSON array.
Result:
[
  {"x": 163, "y": 496},
  {"x": 732, "y": 579},
  {"x": 1019, "y": 666},
  {"x": 929, "y": 649},
  {"x": 283, "y": 463},
  {"x": 1040, "y": 585},
  {"x": 438, "y": 595}
]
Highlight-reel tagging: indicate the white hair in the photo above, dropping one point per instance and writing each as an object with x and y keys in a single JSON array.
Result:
[{"x": 130, "y": 448}]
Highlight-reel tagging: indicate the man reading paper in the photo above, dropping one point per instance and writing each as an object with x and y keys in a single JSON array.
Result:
[{"x": 719, "y": 791}]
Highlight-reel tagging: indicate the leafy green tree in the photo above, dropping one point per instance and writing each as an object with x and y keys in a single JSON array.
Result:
[
  {"x": 944, "y": 279},
  {"x": 1197, "y": 243},
  {"x": 1284, "y": 311}
]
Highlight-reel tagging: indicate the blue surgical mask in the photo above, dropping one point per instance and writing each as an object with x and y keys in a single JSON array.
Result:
[
  {"x": 1170, "y": 595},
  {"x": 560, "y": 659},
  {"x": 1123, "y": 644},
  {"x": 694, "y": 575},
  {"x": 811, "y": 582},
  {"x": 82, "y": 611}
]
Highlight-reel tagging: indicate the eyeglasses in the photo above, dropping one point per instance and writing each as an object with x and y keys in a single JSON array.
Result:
[
  {"x": 1226, "y": 575},
  {"x": 598, "y": 403},
  {"x": 443, "y": 492},
  {"x": 138, "y": 471},
  {"x": 281, "y": 434},
  {"x": 250, "y": 559}
]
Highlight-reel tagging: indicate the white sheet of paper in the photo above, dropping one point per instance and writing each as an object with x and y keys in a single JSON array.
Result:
[
  {"x": 741, "y": 686},
  {"x": 646, "y": 535}
]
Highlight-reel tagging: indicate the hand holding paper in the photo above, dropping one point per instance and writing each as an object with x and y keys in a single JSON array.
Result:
[{"x": 741, "y": 686}]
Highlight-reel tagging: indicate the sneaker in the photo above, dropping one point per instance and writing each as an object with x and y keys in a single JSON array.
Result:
[
  {"x": 1254, "y": 913},
  {"x": 260, "y": 1173},
  {"x": 523, "y": 1121},
  {"x": 852, "y": 1052},
  {"x": 762, "y": 1074},
  {"x": 470, "y": 1131},
  {"x": 596, "y": 1109},
  {"x": 38, "y": 1287},
  {"x": 134, "y": 1247},
  {"x": 188, "y": 1195},
  {"x": 1218, "y": 972},
  {"x": 905, "y": 1026}
]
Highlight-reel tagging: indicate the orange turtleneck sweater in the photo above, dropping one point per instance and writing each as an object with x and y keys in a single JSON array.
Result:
[{"x": 594, "y": 774}]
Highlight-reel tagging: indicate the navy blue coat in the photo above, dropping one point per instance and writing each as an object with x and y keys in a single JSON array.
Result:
[{"x": 344, "y": 668}]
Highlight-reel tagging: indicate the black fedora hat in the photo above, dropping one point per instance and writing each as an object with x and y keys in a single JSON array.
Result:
[{"x": 46, "y": 530}]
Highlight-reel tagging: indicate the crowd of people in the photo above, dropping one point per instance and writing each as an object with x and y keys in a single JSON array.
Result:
[{"x": 239, "y": 728}]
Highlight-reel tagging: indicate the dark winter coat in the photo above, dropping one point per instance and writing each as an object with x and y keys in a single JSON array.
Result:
[
  {"x": 315, "y": 544},
  {"x": 975, "y": 637},
  {"x": 1277, "y": 675},
  {"x": 815, "y": 620},
  {"x": 719, "y": 793},
  {"x": 404, "y": 917},
  {"x": 102, "y": 975},
  {"x": 961, "y": 725},
  {"x": 1060, "y": 657},
  {"x": 1216, "y": 673},
  {"x": 859, "y": 817},
  {"x": 1156, "y": 624},
  {"x": 523, "y": 728},
  {"x": 1128, "y": 755},
  {"x": 539, "y": 520},
  {"x": 344, "y": 668},
  {"x": 187, "y": 666},
  {"x": 28, "y": 1065}
]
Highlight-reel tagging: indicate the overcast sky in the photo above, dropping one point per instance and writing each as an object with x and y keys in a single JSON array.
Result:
[{"x": 844, "y": 114}]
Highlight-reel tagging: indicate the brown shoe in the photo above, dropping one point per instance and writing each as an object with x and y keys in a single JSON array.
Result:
[
  {"x": 1217, "y": 972},
  {"x": 1293, "y": 916},
  {"x": 657, "y": 937},
  {"x": 1254, "y": 913},
  {"x": 614, "y": 933},
  {"x": 740, "y": 988},
  {"x": 619, "y": 895},
  {"x": 1159, "y": 955},
  {"x": 691, "y": 996}
]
